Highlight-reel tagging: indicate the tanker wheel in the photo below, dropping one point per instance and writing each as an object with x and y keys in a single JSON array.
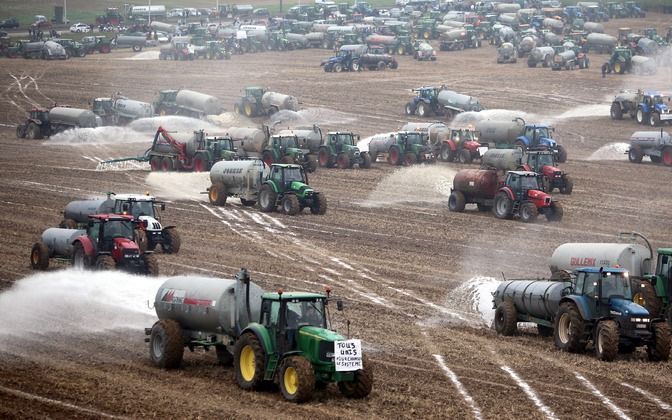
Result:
[
  {"x": 393, "y": 156},
  {"x": 39, "y": 256},
  {"x": 456, "y": 201},
  {"x": 290, "y": 204},
  {"x": 267, "y": 157},
  {"x": 33, "y": 131},
  {"x": 555, "y": 212},
  {"x": 297, "y": 379},
  {"x": 200, "y": 163},
  {"x": 141, "y": 239},
  {"x": 151, "y": 265},
  {"x": 447, "y": 154},
  {"x": 68, "y": 224},
  {"x": 544, "y": 331},
  {"x": 569, "y": 329},
  {"x": 267, "y": 198},
  {"x": 166, "y": 344},
  {"x": 568, "y": 185},
  {"x": 449, "y": 114},
  {"x": 606, "y": 340},
  {"x": 362, "y": 383},
  {"x": 503, "y": 206},
  {"x": 343, "y": 161},
  {"x": 324, "y": 158},
  {"x": 167, "y": 164},
  {"x": 80, "y": 260},
  {"x": 644, "y": 294},
  {"x": 224, "y": 357},
  {"x": 635, "y": 154},
  {"x": 381, "y": 65},
  {"x": 659, "y": 349},
  {"x": 105, "y": 262},
  {"x": 171, "y": 241},
  {"x": 366, "y": 160},
  {"x": 506, "y": 318},
  {"x": 216, "y": 195},
  {"x": 249, "y": 361},
  {"x": 528, "y": 212},
  {"x": 667, "y": 156},
  {"x": 410, "y": 158},
  {"x": 465, "y": 156},
  {"x": 319, "y": 204},
  {"x": 616, "y": 112}
]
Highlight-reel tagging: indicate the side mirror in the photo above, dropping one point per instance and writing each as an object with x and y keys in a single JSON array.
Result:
[{"x": 339, "y": 305}]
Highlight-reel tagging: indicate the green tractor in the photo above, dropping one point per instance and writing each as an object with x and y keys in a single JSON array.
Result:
[
  {"x": 657, "y": 299},
  {"x": 97, "y": 43},
  {"x": 287, "y": 186},
  {"x": 616, "y": 10},
  {"x": 286, "y": 149},
  {"x": 339, "y": 148},
  {"x": 620, "y": 61},
  {"x": 72, "y": 48},
  {"x": 426, "y": 29},
  {"x": 218, "y": 50}
]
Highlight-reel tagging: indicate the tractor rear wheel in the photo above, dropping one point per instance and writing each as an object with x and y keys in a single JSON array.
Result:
[
  {"x": 644, "y": 294},
  {"x": 201, "y": 163},
  {"x": 216, "y": 195},
  {"x": 361, "y": 385},
  {"x": 290, "y": 204},
  {"x": 606, "y": 340},
  {"x": 465, "y": 156},
  {"x": 39, "y": 256},
  {"x": 528, "y": 212},
  {"x": 319, "y": 205},
  {"x": 456, "y": 201},
  {"x": 659, "y": 349},
  {"x": 167, "y": 164},
  {"x": 249, "y": 361},
  {"x": 343, "y": 161},
  {"x": 166, "y": 344},
  {"x": 297, "y": 379},
  {"x": 155, "y": 163},
  {"x": 410, "y": 158},
  {"x": 105, "y": 262},
  {"x": 569, "y": 329},
  {"x": 267, "y": 198},
  {"x": 394, "y": 156},
  {"x": 151, "y": 264},
  {"x": 635, "y": 154},
  {"x": 224, "y": 357},
  {"x": 503, "y": 206},
  {"x": 324, "y": 158},
  {"x": 506, "y": 318},
  {"x": 667, "y": 156},
  {"x": 555, "y": 212},
  {"x": 248, "y": 109},
  {"x": 366, "y": 160},
  {"x": 20, "y": 131},
  {"x": 616, "y": 112},
  {"x": 568, "y": 185},
  {"x": 171, "y": 241}
]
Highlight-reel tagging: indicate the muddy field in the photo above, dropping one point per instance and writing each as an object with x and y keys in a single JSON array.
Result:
[{"x": 415, "y": 277}]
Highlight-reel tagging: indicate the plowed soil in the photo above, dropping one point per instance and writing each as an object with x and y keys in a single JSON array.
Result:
[{"x": 388, "y": 245}]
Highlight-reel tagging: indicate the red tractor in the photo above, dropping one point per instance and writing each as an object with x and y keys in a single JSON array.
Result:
[
  {"x": 462, "y": 146},
  {"x": 544, "y": 162}
]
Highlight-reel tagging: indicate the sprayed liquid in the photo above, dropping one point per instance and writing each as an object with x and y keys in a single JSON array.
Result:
[
  {"x": 417, "y": 183},
  {"x": 179, "y": 185},
  {"x": 611, "y": 151}
]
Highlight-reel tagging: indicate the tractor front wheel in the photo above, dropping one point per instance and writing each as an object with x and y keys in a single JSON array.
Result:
[
  {"x": 343, "y": 161},
  {"x": 39, "y": 256},
  {"x": 606, "y": 340},
  {"x": 394, "y": 156},
  {"x": 366, "y": 161},
  {"x": 528, "y": 212},
  {"x": 290, "y": 204},
  {"x": 166, "y": 345},
  {"x": 33, "y": 131},
  {"x": 171, "y": 241},
  {"x": 105, "y": 262},
  {"x": 506, "y": 318},
  {"x": 503, "y": 206},
  {"x": 555, "y": 212},
  {"x": 659, "y": 349},
  {"x": 267, "y": 199},
  {"x": 249, "y": 361},
  {"x": 151, "y": 265},
  {"x": 361, "y": 385},
  {"x": 465, "y": 156},
  {"x": 319, "y": 205},
  {"x": 569, "y": 329},
  {"x": 297, "y": 379}
]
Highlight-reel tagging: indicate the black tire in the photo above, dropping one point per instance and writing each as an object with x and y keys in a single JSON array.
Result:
[
  {"x": 568, "y": 185},
  {"x": 555, "y": 212},
  {"x": 635, "y": 154},
  {"x": 654, "y": 119},
  {"x": 79, "y": 258},
  {"x": 151, "y": 264},
  {"x": 167, "y": 164},
  {"x": 68, "y": 224},
  {"x": 290, "y": 204},
  {"x": 659, "y": 349},
  {"x": 381, "y": 65},
  {"x": 456, "y": 201},
  {"x": 354, "y": 65},
  {"x": 528, "y": 212},
  {"x": 394, "y": 156},
  {"x": 166, "y": 344},
  {"x": 337, "y": 68},
  {"x": 569, "y": 329},
  {"x": 362, "y": 384},
  {"x": 640, "y": 116},
  {"x": 465, "y": 156},
  {"x": 366, "y": 160},
  {"x": 155, "y": 163},
  {"x": 506, "y": 318},
  {"x": 644, "y": 294},
  {"x": 561, "y": 154},
  {"x": 224, "y": 357},
  {"x": 544, "y": 331},
  {"x": 20, "y": 131},
  {"x": 409, "y": 109},
  {"x": 249, "y": 361},
  {"x": 297, "y": 379},
  {"x": 447, "y": 154},
  {"x": 33, "y": 131},
  {"x": 343, "y": 161},
  {"x": 39, "y": 256},
  {"x": 105, "y": 262},
  {"x": 267, "y": 199},
  {"x": 503, "y": 206},
  {"x": 410, "y": 158},
  {"x": 606, "y": 340},
  {"x": 137, "y": 48},
  {"x": 217, "y": 195},
  {"x": 616, "y": 112},
  {"x": 201, "y": 163},
  {"x": 171, "y": 241},
  {"x": 423, "y": 110},
  {"x": 319, "y": 204}
]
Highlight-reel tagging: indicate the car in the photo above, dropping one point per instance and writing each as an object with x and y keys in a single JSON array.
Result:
[
  {"x": 9, "y": 23},
  {"x": 80, "y": 27}
]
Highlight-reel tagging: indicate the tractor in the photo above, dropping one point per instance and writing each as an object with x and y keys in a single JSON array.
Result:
[
  {"x": 287, "y": 186},
  {"x": 339, "y": 148}
]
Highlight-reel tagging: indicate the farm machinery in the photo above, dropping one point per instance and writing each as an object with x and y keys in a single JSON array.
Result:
[
  {"x": 44, "y": 123},
  {"x": 656, "y": 145},
  {"x": 402, "y": 148},
  {"x": 645, "y": 107},
  {"x": 440, "y": 101},
  {"x": 257, "y": 101}
]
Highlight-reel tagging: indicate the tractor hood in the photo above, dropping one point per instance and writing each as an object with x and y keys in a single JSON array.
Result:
[
  {"x": 351, "y": 149},
  {"x": 662, "y": 108},
  {"x": 539, "y": 198},
  {"x": 125, "y": 246},
  {"x": 150, "y": 223},
  {"x": 318, "y": 341},
  {"x": 301, "y": 188},
  {"x": 551, "y": 171},
  {"x": 331, "y": 61},
  {"x": 627, "y": 308}
]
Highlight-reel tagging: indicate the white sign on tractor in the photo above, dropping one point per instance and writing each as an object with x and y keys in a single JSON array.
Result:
[{"x": 348, "y": 355}]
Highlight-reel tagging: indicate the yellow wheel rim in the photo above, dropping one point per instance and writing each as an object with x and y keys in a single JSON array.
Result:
[
  {"x": 638, "y": 298},
  {"x": 291, "y": 380},
  {"x": 248, "y": 109},
  {"x": 617, "y": 67},
  {"x": 34, "y": 257},
  {"x": 247, "y": 365},
  {"x": 213, "y": 194}
]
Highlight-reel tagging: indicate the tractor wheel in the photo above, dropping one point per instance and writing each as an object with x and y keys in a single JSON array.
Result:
[
  {"x": 659, "y": 350},
  {"x": 644, "y": 294},
  {"x": 249, "y": 361},
  {"x": 167, "y": 164},
  {"x": 465, "y": 156},
  {"x": 68, "y": 224},
  {"x": 640, "y": 116},
  {"x": 137, "y": 48},
  {"x": 151, "y": 265},
  {"x": 224, "y": 357},
  {"x": 568, "y": 185},
  {"x": 105, "y": 262},
  {"x": 267, "y": 157},
  {"x": 393, "y": 65},
  {"x": 171, "y": 241},
  {"x": 297, "y": 379},
  {"x": 217, "y": 195},
  {"x": 410, "y": 158},
  {"x": 381, "y": 65},
  {"x": 319, "y": 205},
  {"x": 606, "y": 340},
  {"x": 343, "y": 161},
  {"x": 449, "y": 114},
  {"x": 667, "y": 156},
  {"x": 546, "y": 184},
  {"x": 569, "y": 329},
  {"x": 39, "y": 256},
  {"x": 290, "y": 204},
  {"x": 423, "y": 110},
  {"x": 267, "y": 198},
  {"x": 447, "y": 154},
  {"x": 247, "y": 203},
  {"x": 656, "y": 159},
  {"x": 456, "y": 201},
  {"x": 324, "y": 158},
  {"x": 33, "y": 131},
  {"x": 201, "y": 163},
  {"x": 548, "y": 61},
  {"x": 80, "y": 260},
  {"x": 394, "y": 156},
  {"x": 166, "y": 344},
  {"x": 544, "y": 331},
  {"x": 555, "y": 212},
  {"x": 361, "y": 386},
  {"x": 20, "y": 131},
  {"x": 528, "y": 212},
  {"x": 236, "y": 109},
  {"x": 654, "y": 119},
  {"x": 410, "y": 109},
  {"x": 506, "y": 318},
  {"x": 503, "y": 206},
  {"x": 619, "y": 68},
  {"x": 337, "y": 68},
  {"x": 248, "y": 109},
  {"x": 635, "y": 154},
  {"x": 401, "y": 50},
  {"x": 616, "y": 112},
  {"x": 366, "y": 161},
  {"x": 141, "y": 239},
  {"x": 354, "y": 65}
]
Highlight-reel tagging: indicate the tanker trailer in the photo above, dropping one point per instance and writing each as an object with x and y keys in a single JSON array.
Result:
[
  {"x": 340, "y": 148},
  {"x": 543, "y": 55},
  {"x": 555, "y": 25},
  {"x": 601, "y": 43},
  {"x": 250, "y": 141},
  {"x": 657, "y": 145},
  {"x": 162, "y": 26},
  {"x": 121, "y": 110},
  {"x": 565, "y": 59},
  {"x": 593, "y": 27},
  {"x": 507, "y": 53},
  {"x": 188, "y": 103},
  {"x": 132, "y": 41},
  {"x": 509, "y": 20},
  {"x": 507, "y": 8},
  {"x": 568, "y": 311},
  {"x": 54, "y": 243},
  {"x": 297, "y": 41},
  {"x": 453, "y": 39},
  {"x": 315, "y": 39},
  {"x": 42, "y": 123},
  {"x": 258, "y": 101},
  {"x": 517, "y": 132},
  {"x": 643, "y": 65},
  {"x": 241, "y": 322},
  {"x": 647, "y": 47},
  {"x": 401, "y": 148}
]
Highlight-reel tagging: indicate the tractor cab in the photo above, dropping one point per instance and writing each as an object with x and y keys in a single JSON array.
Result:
[
  {"x": 341, "y": 140},
  {"x": 284, "y": 176},
  {"x": 113, "y": 234},
  {"x": 221, "y": 146},
  {"x": 538, "y": 135},
  {"x": 102, "y": 106},
  {"x": 254, "y": 92},
  {"x": 428, "y": 93},
  {"x": 167, "y": 95},
  {"x": 40, "y": 116},
  {"x": 286, "y": 314},
  {"x": 662, "y": 279},
  {"x": 137, "y": 205},
  {"x": 526, "y": 185}
]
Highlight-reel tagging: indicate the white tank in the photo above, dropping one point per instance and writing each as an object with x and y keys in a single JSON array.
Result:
[
  {"x": 248, "y": 138},
  {"x": 603, "y": 40},
  {"x": 458, "y": 100},
  {"x": 131, "y": 109},
  {"x": 648, "y": 139},
  {"x": 493, "y": 131},
  {"x": 508, "y": 19},
  {"x": 73, "y": 117},
  {"x": 321, "y": 27},
  {"x": 315, "y": 36},
  {"x": 206, "y": 104},
  {"x": 79, "y": 210},
  {"x": 502, "y": 159},
  {"x": 279, "y": 100},
  {"x": 59, "y": 241},
  {"x": 310, "y": 139},
  {"x": 438, "y": 131},
  {"x": 453, "y": 35},
  {"x": 449, "y": 25},
  {"x": 635, "y": 258},
  {"x": 380, "y": 143},
  {"x": 162, "y": 26},
  {"x": 593, "y": 27},
  {"x": 553, "y": 24},
  {"x": 507, "y": 7},
  {"x": 239, "y": 178}
]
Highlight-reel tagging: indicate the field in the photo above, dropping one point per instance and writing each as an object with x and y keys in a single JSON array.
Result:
[{"x": 415, "y": 278}]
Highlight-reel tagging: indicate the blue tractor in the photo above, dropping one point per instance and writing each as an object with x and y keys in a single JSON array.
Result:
[{"x": 652, "y": 108}]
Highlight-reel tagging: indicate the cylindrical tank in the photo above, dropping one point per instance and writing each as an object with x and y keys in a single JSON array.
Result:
[
  {"x": 208, "y": 305},
  {"x": 33, "y": 47},
  {"x": 552, "y": 39},
  {"x": 564, "y": 56},
  {"x": 602, "y": 40},
  {"x": 225, "y": 32},
  {"x": 308, "y": 138},
  {"x": 477, "y": 183},
  {"x": 162, "y": 26},
  {"x": 554, "y": 24},
  {"x": 125, "y": 40},
  {"x": 191, "y": 141},
  {"x": 381, "y": 39},
  {"x": 79, "y": 210},
  {"x": 453, "y": 35},
  {"x": 525, "y": 14},
  {"x": 449, "y": 25},
  {"x": 509, "y": 20},
  {"x": 507, "y": 34},
  {"x": 527, "y": 43},
  {"x": 626, "y": 96},
  {"x": 643, "y": 65},
  {"x": 438, "y": 131},
  {"x": 279, "y": 100},
  {"x": 380, "y": 143},
  {"x": 538, "y": 54},
  {"x": 507, "y": 7},
  {"x": 646, "y": 139},
  {"x": 130, "y": 108},
  {"x": 59, "y": 241},
  {"x": 208, "y": 104},
  {"x": 594, "y": 27},
  {"x": 321, "y": 27},
  {"x": 238, "y": 176},
  {"x": 536, "y": 298},
  {"x": 260, "y": 35},
  {"x": 297, "y": 38},
  {"x": 53, "y": 49},
  {"x": 635, "y": 258},
  {"x": 315, "y": 36},
  {"x": 72, "y": 116},
  {"x": 458, "y": 100},
  {"x": 502, "y": 159},
  {"x": 249, "y": 138},
  {"x": 499, "y": 131},
  {"x": 341, "y": 29},
  {"x": 647, "y": 46}
]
